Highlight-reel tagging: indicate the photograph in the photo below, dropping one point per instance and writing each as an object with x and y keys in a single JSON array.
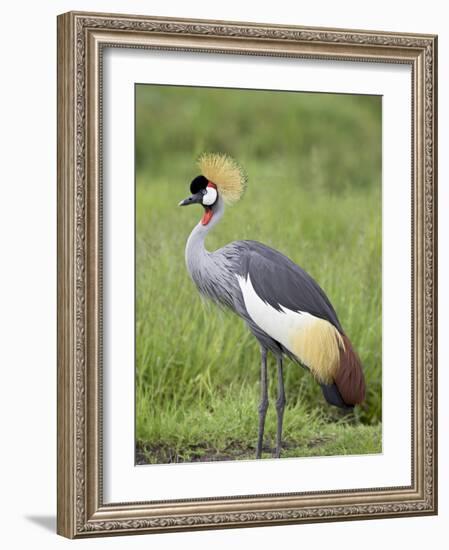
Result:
[{"x": 258, "y": 309}]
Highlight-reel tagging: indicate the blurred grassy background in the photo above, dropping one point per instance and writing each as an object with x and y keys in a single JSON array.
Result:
[{"x": 314, "y": 193}]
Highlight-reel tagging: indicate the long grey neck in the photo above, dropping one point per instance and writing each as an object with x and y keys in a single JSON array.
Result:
[{"x": 196, "y": 254}]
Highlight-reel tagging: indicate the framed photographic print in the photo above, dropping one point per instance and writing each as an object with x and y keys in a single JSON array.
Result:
[{"x": 246, "y": 274}]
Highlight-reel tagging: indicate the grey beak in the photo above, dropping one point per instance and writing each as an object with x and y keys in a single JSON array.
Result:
[{"x": 197, "y": 198}]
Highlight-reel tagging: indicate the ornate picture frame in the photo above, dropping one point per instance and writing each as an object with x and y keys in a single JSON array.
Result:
[{"x": 82, "y": 38}]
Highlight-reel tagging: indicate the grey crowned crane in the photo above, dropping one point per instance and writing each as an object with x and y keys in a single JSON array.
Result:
[{"x": 284, "y": 308}]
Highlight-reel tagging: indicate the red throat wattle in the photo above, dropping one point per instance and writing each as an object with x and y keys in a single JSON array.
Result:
[{"x": 207, "y": 216}]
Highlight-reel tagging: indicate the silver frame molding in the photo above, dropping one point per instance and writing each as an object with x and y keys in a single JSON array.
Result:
[{"x": 81, "y": 39}]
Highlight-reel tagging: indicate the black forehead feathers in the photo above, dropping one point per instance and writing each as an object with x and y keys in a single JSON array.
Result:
[{"x": 198, "y": 183}]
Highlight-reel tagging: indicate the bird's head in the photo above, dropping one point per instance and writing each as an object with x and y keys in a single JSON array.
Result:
[
  {"x": 221, "y": 179},
  {"x": 204, "y": 192}
]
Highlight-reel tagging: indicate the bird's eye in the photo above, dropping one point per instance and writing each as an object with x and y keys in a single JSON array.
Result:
[{"x": 210, "y": 196}]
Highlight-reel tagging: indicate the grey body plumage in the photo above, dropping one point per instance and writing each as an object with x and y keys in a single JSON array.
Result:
[{"x": 275, "y": 277}]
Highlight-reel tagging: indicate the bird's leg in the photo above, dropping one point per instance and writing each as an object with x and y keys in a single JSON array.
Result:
[
  {"x": 280, "y": 406},
  {"x": 263, "y": 400}
]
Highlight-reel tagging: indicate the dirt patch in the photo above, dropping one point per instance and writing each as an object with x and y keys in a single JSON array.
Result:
[
  {"x": 318, "y": 441},
  {"x": 202, "y": 452},
  {"x": 164, "y": 454}
]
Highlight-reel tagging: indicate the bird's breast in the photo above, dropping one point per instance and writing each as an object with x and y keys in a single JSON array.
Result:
[{"x": 215, "y": 280}]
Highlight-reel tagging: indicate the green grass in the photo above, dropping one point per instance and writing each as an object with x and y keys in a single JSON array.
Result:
[
  {"x": 313, "y": 162},
  {"x": 221, "y": 430}
]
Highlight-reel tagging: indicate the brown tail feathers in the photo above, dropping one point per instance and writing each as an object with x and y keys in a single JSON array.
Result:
[{"x": 349, "y": 377}]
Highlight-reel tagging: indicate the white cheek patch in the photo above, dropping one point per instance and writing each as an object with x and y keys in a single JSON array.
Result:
[{"x": 210, "y": 196}]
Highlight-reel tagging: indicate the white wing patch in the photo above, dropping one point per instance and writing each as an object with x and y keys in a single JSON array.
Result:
[{"x": 282, "y": 325}]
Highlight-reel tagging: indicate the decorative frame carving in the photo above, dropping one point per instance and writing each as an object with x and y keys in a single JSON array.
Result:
[{"x": 81, "y": 38}]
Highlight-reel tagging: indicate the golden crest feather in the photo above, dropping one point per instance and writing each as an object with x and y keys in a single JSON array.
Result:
[{"x": 226, "y": 173}]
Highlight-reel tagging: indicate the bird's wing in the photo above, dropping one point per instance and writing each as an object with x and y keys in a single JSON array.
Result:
[{"x": 282, "y": 284}]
